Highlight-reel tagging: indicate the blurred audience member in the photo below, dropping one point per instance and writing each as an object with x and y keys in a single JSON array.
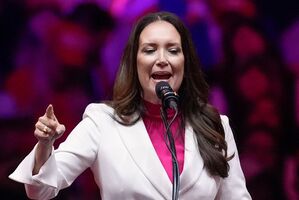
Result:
[
  {"x": 57, "y": 46},
  {"x": 265, "y": 112},
  {"x": 13, "y": 18},
  {"x": 261, "y": 162},
  {"x": 260, "y": 85},
  {"x": 291, "y": 173},
  {"x": 56, "y": 61},
  {"x": 290, "y": 50},
  {"x": 253, "y": 74},
  {"x": 25, "y": 91},
  {"x": 243, "y": 38},
  {"x": 246, "y": 8}
]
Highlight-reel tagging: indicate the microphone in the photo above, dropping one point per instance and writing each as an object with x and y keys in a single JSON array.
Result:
[{"x": 169, "y": 98}]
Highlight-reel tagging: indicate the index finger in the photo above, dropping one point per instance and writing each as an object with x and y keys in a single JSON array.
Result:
[{"x": 50, "y": 112}]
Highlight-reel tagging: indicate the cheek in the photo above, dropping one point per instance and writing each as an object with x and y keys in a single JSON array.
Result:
[
  {"x": 143, "y": 73},
  {"x": 141, "y": 69},
  {"x": 144, "y": 65},
  {"x": 179, "y": 77},
  {"x": 140, "y": 75},
  {"x": 181, "y": 66},
  {"x": 181, "y": 74},
  {"x": 145, "y": 61}
]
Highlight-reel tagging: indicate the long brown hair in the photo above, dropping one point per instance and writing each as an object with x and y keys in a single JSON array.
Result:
[{"x": 204, "y": 118}]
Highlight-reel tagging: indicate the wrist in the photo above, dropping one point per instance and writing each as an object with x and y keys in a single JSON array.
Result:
[{"x": 45, "y": 144}]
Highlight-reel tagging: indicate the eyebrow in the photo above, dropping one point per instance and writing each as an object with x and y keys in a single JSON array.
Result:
[{"x": 155, "y": 44}]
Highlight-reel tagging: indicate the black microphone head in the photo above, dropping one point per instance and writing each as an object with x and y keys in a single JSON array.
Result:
[
  {"x": 169, "y": 98},
  {"x": 161, "y": 88}
]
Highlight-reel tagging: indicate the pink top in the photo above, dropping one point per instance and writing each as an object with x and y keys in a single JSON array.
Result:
[{"x": 157, "y": 132}]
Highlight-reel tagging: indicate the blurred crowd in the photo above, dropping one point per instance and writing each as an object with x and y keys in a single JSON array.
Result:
[{"x": 66, "y": 52}]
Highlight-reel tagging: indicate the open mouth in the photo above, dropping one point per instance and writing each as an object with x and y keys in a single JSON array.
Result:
[{"x": 161, "y": 75}]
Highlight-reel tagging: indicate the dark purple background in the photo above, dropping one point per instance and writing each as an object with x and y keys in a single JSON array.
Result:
[{"x": 67, "y": 53}]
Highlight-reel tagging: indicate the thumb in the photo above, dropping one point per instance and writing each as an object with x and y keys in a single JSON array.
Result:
[
  {"x": 50, "y": 112},
  {"x": 60, "y": 129}
]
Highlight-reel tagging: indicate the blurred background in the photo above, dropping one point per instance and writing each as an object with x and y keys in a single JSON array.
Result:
[{"x": 66, "y": 52}]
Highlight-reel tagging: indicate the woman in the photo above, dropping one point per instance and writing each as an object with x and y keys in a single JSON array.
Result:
[{"x": 122, "y": 140}]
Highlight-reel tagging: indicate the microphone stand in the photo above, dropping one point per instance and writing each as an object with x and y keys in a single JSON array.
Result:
[{"x": 171, "y": 147}]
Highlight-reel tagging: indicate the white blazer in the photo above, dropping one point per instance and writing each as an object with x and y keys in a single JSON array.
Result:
[{"x": 125, "y": 164}]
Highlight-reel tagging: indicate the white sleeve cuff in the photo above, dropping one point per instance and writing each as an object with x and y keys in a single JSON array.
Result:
[{"x": 23, "y": 172}]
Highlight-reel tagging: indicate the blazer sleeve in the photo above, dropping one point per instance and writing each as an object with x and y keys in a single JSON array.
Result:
[
  {"x": 65, "y": 164},
  {"x": 232, "y": 187}
]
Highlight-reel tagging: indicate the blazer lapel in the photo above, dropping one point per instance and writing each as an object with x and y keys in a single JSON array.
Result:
[
  {"x": 139, "y": 145},
  {"x": 193, "y": 163}
]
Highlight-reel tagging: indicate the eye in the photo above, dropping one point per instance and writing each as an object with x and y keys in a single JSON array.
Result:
[
  {"x": 148, "y": 50},
  {"x": 174, "y": 51}
]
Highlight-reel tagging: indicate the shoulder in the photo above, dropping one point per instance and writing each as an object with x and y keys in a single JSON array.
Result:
[
  {"x": 96, "y": 107},
  {"x": 105, "y": 112},
  {"x": 98, "y": 110},
  {"x": 224, "y": 119},
  {"x": 227, "y": 129},
  {"x": 225, "y": 122}
]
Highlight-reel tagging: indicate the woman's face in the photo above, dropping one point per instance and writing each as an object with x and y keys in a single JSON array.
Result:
[{"x": 159, "y": 58}]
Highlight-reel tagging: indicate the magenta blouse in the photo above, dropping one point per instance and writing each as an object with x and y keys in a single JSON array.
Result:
[{"x": 156, "y": 131}]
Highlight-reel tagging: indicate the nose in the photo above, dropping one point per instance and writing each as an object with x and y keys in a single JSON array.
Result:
[{"x": 162, "y": 60}]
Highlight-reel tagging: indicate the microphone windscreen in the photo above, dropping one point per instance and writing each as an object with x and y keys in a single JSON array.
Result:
[
  {"x": 162, "y": 88},
  {"x": 164, "y": 92}
]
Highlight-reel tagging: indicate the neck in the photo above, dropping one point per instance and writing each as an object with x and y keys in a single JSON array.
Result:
[{"x": 153, "y": 99}]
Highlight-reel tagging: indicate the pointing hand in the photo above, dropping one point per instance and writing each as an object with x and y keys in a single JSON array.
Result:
[{"x": 47, "y": 128}]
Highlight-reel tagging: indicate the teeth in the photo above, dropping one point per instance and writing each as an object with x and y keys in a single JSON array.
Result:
[{"x": 161, "y": 76}]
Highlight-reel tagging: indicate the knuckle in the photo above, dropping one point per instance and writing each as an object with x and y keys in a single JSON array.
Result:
[
  {"x": 37, "y": 135},
  {"x": 52, "y": 124}
]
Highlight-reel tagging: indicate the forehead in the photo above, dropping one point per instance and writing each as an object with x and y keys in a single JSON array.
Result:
[{"x": 160, "y": 31}]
